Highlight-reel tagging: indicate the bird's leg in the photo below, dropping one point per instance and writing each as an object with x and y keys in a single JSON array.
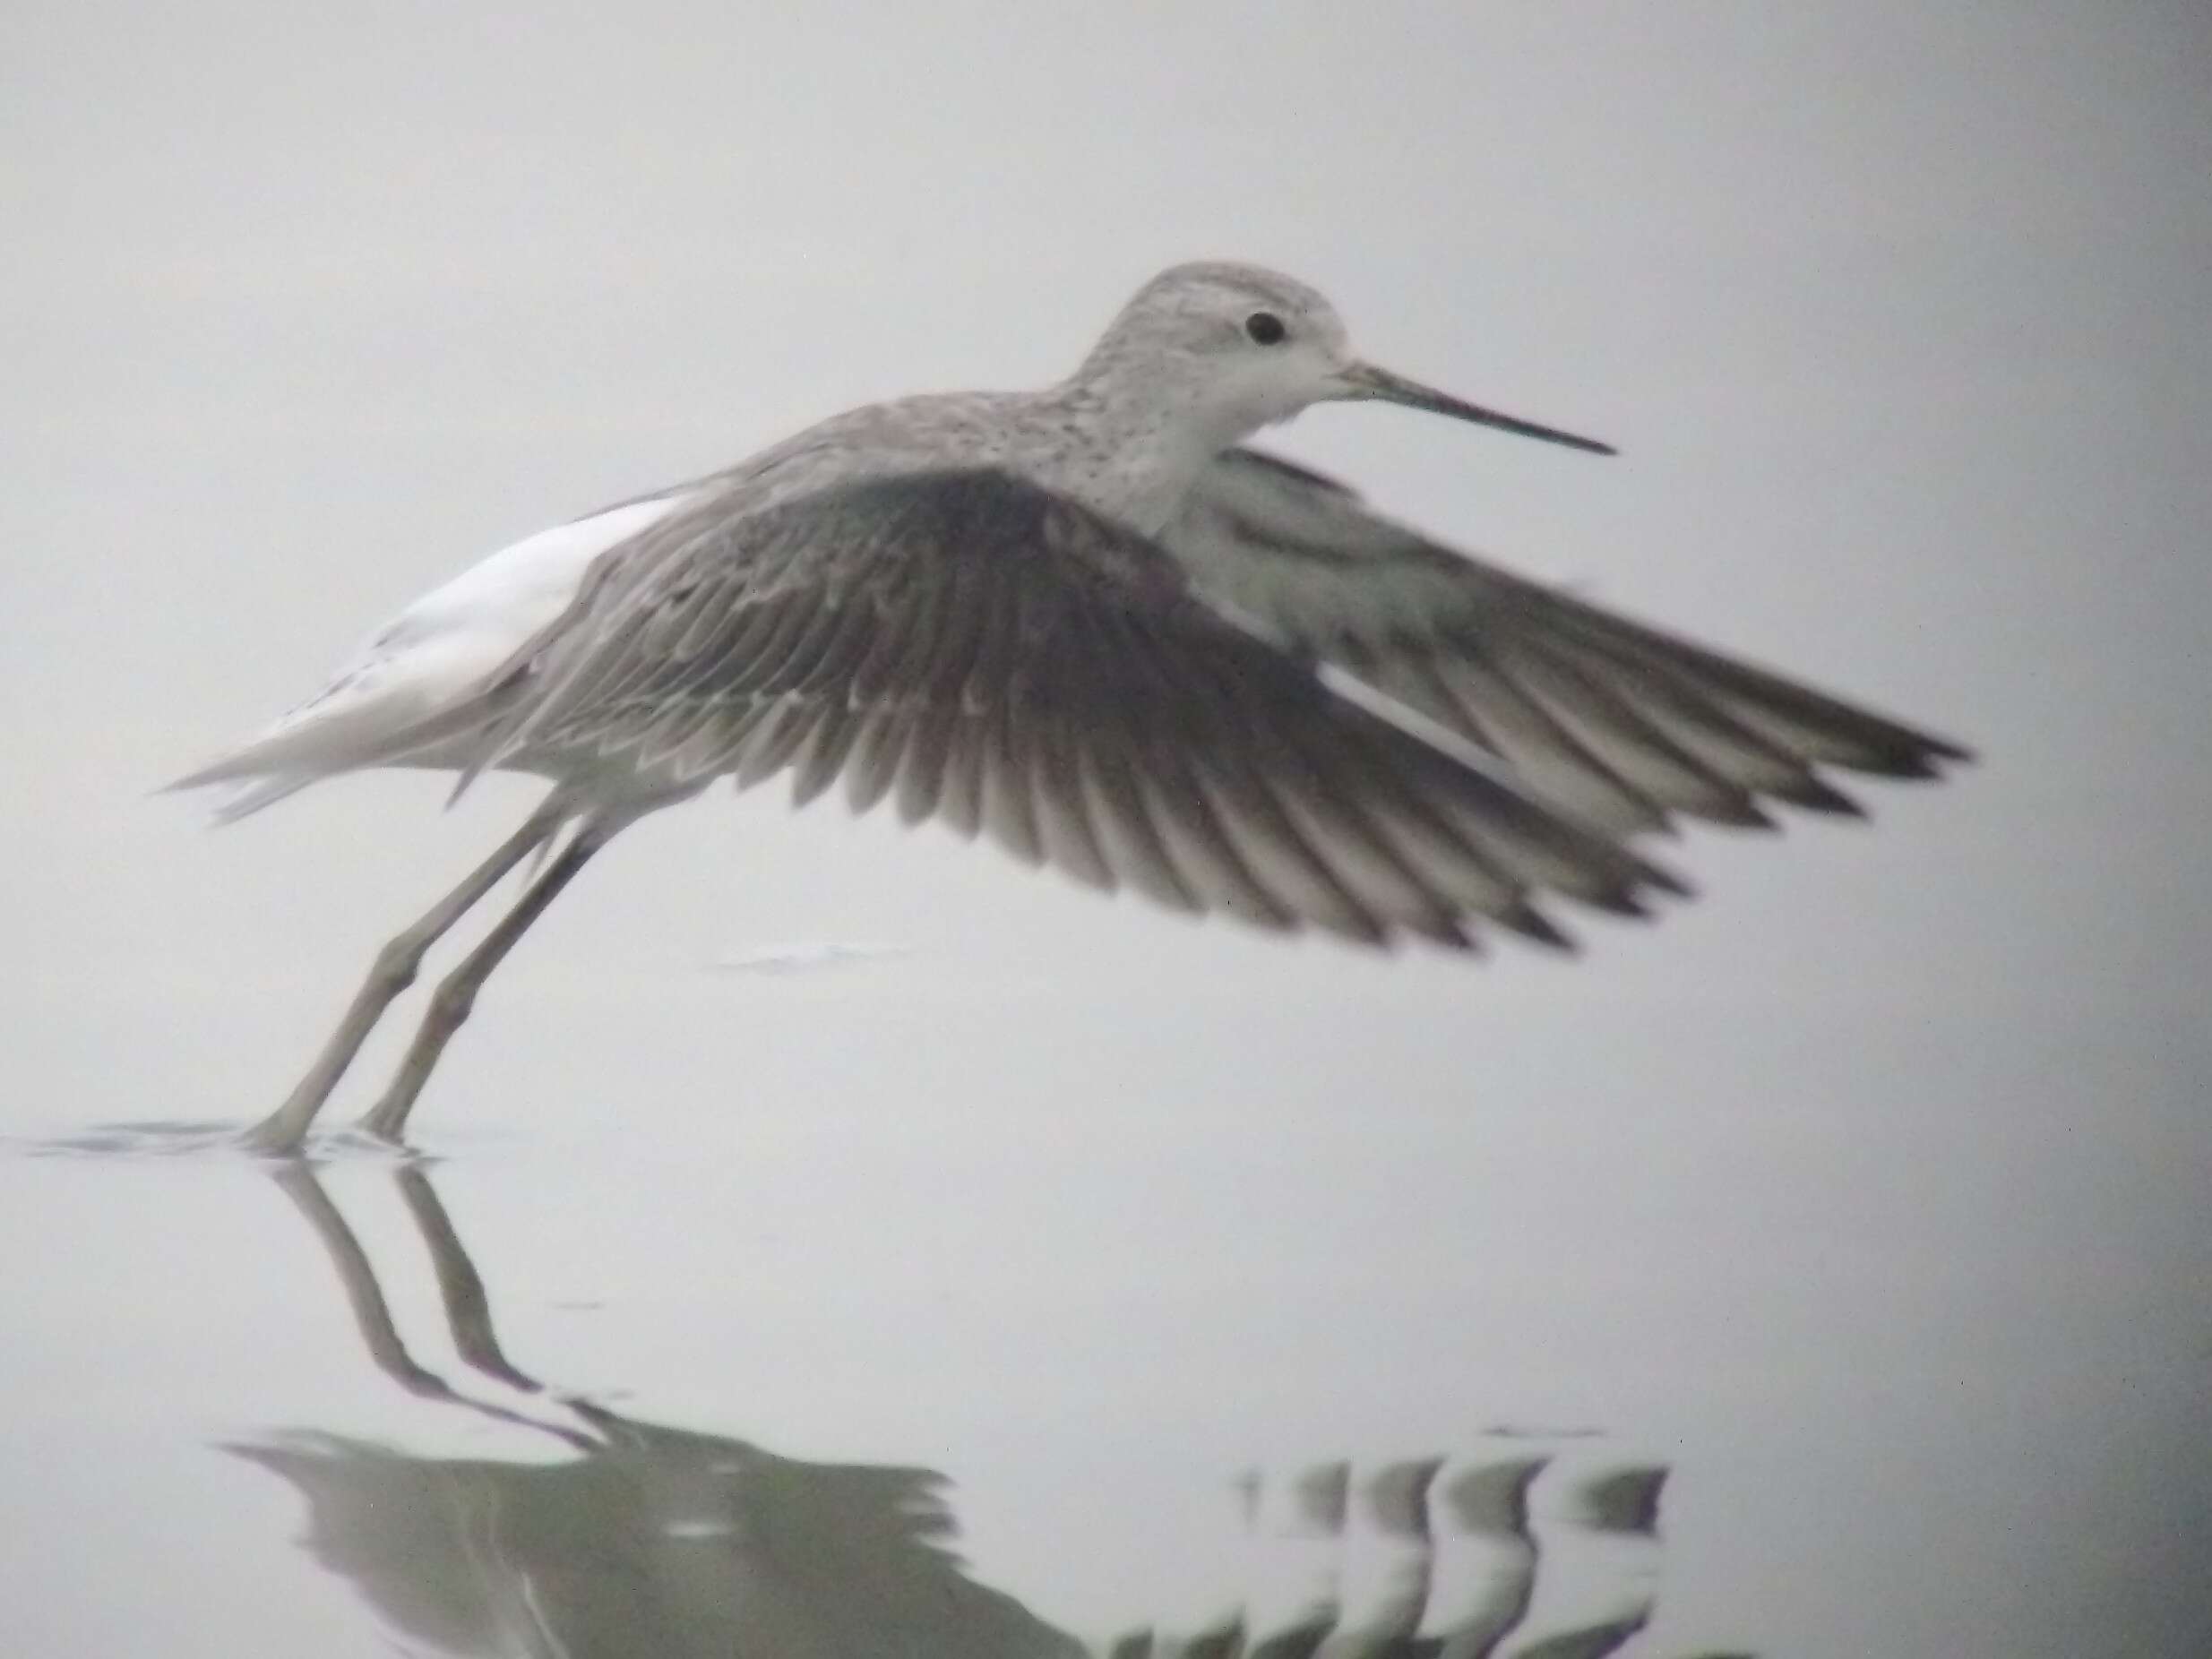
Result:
[
  {"x": 457, "y": 992},
  {"x": 392, "y": 972}
]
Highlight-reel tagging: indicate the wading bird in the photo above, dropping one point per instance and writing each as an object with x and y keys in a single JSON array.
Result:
[{"x": 1085, "y": 621}]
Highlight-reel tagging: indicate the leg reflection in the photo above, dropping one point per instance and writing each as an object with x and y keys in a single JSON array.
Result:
[{"x": 461, "y": 1288}]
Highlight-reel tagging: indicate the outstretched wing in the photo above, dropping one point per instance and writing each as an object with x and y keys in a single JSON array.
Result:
[
  {"x": 1000, "y": 658},
  {"x": 1622, "y": 722}
]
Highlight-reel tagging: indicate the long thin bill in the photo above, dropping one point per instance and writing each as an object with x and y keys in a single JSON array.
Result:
[{"x": 1363, "y": 380}]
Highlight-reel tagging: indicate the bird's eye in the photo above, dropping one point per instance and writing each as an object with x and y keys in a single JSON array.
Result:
[{"x": 1265, "y": 327}]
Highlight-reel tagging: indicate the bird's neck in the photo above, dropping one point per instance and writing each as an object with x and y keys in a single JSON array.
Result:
[{"x": 1133, "y": 452}]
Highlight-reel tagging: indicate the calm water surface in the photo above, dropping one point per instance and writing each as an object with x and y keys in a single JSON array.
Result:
[{"x": 1040, "y": 1329}]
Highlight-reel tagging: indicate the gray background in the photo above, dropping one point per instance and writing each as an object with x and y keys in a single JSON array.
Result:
[{"x": 1871, "y": 1190}]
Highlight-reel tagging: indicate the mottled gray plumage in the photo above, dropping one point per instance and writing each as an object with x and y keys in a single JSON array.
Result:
[{"x": 1085, "y": 621}]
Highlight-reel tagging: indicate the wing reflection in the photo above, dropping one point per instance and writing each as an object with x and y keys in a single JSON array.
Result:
[{"x": 643, "y": 1538}]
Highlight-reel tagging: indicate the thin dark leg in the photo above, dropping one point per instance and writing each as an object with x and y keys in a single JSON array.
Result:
[
  {"x": 392, "y": 972},
  {"x": 457, "y": 993}
]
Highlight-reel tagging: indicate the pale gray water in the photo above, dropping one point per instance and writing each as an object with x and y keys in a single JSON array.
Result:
[
  {"x": 1921, "y": 1390},
  {"x": 1867, "y": 1196}
]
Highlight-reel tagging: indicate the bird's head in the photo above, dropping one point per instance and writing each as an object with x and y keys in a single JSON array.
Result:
[{"x": 1245, "y": 347}]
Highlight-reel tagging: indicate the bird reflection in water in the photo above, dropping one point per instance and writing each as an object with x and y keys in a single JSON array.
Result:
[{"x": 656, "y": 1540}]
